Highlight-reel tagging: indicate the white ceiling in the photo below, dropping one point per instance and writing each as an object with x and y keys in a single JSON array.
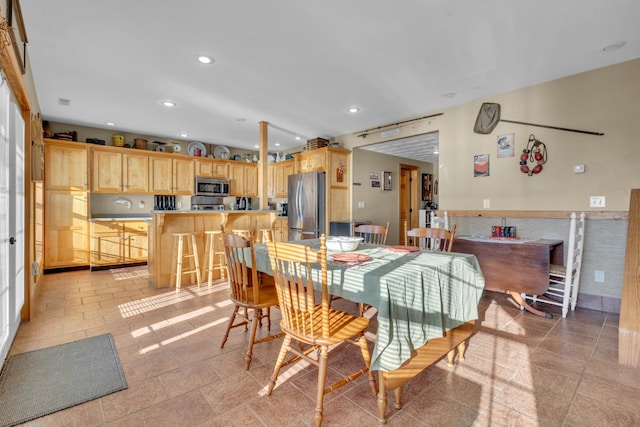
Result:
[{"x": 300, "y": 65}]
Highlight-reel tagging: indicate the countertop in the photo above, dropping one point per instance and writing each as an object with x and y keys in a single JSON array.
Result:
[
  {"x": 119, "y": 217},
  {"x": 226, "y": 211}
]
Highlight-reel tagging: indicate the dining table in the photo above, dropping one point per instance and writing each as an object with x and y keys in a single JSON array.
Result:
[{"x": 421, "y": 298}]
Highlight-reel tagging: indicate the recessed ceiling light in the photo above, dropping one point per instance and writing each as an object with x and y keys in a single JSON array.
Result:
[
  {"x": 184, "y": 134},
  {"x": 353, "y": 109},
  {"x": 110, "y": 124},
  {"x": 436, "y": 152},
  {"x": 168, "y": 103},
  {"x": 277, "y": 144},
  {"x": 298, "y": 138},
  {"x": 614, "y": 46},
  {"x": 205, "y": 59},
  {"x": 256, "y": 146}
]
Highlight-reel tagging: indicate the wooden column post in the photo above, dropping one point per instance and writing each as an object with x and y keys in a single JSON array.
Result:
[
  {"x": 263, "y": 182},
  {"x": 629, "y": 329}
]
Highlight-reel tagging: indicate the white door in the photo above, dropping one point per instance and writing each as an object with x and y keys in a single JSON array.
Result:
[
  {"x": 5, "y": 338},
  {"x": 11, "y": 220}
]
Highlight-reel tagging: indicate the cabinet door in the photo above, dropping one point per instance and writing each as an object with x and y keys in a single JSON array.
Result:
[
  {"x": 236, "y": 179},
  {"x": 204, "y": 168},
  {"x": 106, "y": 243},
  {"x": 65, "y": 167},
  {"x": 161, "y": 175},
  {"x": 106, "y": 172},
  {"x": 251, "y": 180},
  {"x": 135, "y": 173},
  {"x": 66, "y": 229},
  {"x": 313, "y": 160},
  {"x": 283, "y": 170},
  {"x": 135, "y": 241},
  {"x": 220, "y": 169},
  {"x": 183, "y": 177}
]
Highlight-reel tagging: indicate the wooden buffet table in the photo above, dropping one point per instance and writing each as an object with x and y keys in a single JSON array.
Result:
[
  {"x": 165, "y": 223},
  {"x": 514, "y": 266}
]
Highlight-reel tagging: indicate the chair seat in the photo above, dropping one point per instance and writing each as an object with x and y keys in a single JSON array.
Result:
[
  {"x": 343, "y": 327},
  {"x": 267, "y": 294}
]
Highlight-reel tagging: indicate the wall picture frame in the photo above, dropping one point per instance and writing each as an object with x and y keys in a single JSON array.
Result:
[
  {"x": 17, "y": 32},
  {"x": 481, "y": 165},
  {"x": 505, "y": 145},
  {"x": 427, "y": 187},
  {"x": 386, "y": 181}
]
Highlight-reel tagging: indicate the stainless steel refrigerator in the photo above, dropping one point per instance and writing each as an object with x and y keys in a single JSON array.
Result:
[{"x": 306, "y": 211}]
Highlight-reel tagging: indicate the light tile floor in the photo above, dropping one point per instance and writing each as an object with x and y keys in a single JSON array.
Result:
[{"x": 520, "y": 370}]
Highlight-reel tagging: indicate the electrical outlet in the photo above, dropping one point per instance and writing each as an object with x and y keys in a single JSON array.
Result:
[
  {"x": 486, "y": 203},
  {"x": 179, "y": 205},
  {"x": 597, "y": 202},
  {"x": 361, "y": 205},
  {"x": 578, "y": 169},
  {"x": 141, "y": 204},
  {"x": 599, "y": 276}
]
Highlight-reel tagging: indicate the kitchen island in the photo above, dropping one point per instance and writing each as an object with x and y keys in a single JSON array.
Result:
[{"x": 165, "y": 223}]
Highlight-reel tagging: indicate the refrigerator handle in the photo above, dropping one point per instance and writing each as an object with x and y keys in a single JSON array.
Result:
[{"x": 299, "y": 199}]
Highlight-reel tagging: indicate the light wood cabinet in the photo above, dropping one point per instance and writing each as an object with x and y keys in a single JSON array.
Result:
[
  {"x": 281, "y": 175},
  {"x": 118, "y": 242},
  {"x": 65, "y": 165},
  {"x": 243, "y": 179},
  {"x": 281, "y": 229},
  {"x": 66, "y": 240},
  {"x": 312, "y": 160},
  {"x": 117, "y": 172},
  {"x": 171, "y": 176},
  {"x": 211, "y": 168}
]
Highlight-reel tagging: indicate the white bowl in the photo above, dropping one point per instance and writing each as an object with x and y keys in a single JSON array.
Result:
[{"x": 342, "y": 243}]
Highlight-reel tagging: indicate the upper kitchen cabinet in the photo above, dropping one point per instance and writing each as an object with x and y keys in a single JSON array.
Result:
[
  {"x": 114, "y": 171},
  {"x": 170, "y": 175},
  {"x": 243, "y": 179},
  {"x": 318, "y": 159},
  {"x": 281, "y": 172},
  {"x": 211, "y": 168},
  {"x": 65, "y": 165}
]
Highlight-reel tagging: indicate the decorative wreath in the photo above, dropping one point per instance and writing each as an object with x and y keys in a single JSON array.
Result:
[{"x": 536, "y": 153}]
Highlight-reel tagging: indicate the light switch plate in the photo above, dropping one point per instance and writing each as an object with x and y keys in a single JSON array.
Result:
[
  {"x": 597, "y": 202},
  {"x": 361, "y": 205},
  {"x": 578, "y": 169}
]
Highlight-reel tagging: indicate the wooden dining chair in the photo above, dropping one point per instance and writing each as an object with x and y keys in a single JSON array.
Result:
[
  {"x": 434, "y": 239},
  {"x": 564, "y": 280},
  {"x": 371, "y": 233},
  {"x": 312, "y": 324},
  {"x": 251, "y": 291}
]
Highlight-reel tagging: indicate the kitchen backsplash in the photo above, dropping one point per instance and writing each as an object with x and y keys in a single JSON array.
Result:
[{"x": 102, "y": 204}]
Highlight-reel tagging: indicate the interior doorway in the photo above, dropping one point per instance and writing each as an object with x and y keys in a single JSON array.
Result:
[{"x": 409, "y": 199}]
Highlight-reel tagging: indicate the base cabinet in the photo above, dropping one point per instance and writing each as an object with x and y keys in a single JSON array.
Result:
[
  {"x": 66, "y": 224},
  {"x": 118, "y": 242},
  {"x": 281, "y": 230}
]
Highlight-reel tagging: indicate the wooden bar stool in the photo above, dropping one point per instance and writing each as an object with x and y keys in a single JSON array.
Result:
[
  {"x": 264, "y": 235},
  {"x": 213, "y": 259},
  {"x": 179, "y": 255}
]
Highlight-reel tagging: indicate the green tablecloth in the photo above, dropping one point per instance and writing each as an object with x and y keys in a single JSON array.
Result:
[{"x": 418, "y": 295}]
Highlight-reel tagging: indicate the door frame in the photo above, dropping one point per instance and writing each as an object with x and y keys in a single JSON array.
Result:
[{"x": 413, "y": 197}]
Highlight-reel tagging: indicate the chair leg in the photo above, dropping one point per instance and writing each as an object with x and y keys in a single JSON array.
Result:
[
  {"x": 323, "y": 359},
  {"x": 252, "y": 339},
  {"x": 179, "y": 266},
  {"x": 230, "y": 325},
  {"x": 284, "y": 349}
]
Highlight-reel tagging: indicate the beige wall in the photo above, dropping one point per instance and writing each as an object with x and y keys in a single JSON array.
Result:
[{"x": 605, "y": 100}]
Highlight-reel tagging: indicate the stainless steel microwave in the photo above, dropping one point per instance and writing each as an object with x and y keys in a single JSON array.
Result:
[{"x": 216, "y": 187}]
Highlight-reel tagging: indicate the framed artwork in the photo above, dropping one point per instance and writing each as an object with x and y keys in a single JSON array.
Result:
[
  {"x": 427, "y": 187},
  {"x": 505, "y": 145},
  {"x": 375, "y": 184},
  {"x": 481, "y": 165},
  {"x": 374, "y": 176},
  {"x": 386, "y": 181}
]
